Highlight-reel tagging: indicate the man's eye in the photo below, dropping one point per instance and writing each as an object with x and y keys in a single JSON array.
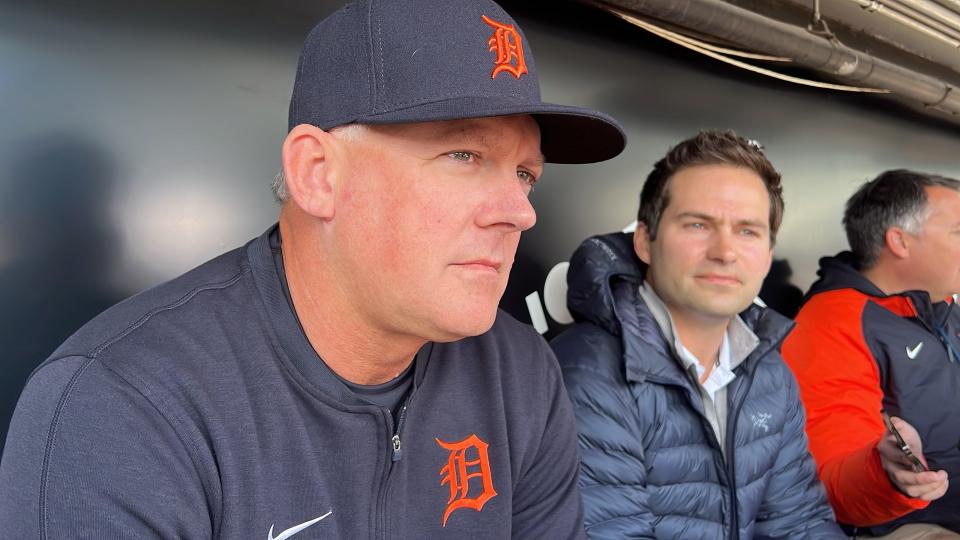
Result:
[
  {"x": 749, "y": 232},
  {"x": 526, "y": 177},
  {"x": 463, "y": 156},
  {"x": 695, "y": 225}
]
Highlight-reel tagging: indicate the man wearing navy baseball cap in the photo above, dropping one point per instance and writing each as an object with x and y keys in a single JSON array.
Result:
[{"x": 347, "y": 374}]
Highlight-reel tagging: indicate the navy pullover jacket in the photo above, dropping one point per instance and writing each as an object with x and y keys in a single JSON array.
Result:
[{"x": 198, "y": 409}]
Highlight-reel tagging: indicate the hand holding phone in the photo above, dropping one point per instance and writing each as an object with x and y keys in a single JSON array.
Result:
[
  {"x": 915, "y": 462},
  {"x": 901, "y": 456}
]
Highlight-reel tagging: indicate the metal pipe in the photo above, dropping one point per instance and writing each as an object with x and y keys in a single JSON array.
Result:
[
  {"x": 759, "y": 33},
  {"x": 950, "y": 4},
  {"x": 908, "y": 16},
  {"x": 946, "y": 16}
]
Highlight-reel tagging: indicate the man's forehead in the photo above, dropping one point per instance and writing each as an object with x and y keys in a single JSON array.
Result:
[
  {"x": 943, "y": 202},
  {"x": 481, "y": 130},
  {"x": 943, "y": 193},
  {"x": 703, "y": 183}
]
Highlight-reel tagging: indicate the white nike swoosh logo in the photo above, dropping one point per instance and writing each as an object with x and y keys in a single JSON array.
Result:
[
  {"x": 295, "y": 529},
  {"x": 912, "y": 353}
]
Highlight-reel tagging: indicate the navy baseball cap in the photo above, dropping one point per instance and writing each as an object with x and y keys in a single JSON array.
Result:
[{"x": 402, "y": 61}]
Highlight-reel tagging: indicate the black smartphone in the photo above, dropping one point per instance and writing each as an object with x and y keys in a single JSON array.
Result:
[{"x": 918, "y": 465}]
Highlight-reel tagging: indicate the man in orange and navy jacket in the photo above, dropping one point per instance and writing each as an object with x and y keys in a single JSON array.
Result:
[{"x": 874, "y": 334}]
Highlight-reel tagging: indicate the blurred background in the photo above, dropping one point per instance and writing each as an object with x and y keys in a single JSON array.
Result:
[{"x": 138, "y": 138}]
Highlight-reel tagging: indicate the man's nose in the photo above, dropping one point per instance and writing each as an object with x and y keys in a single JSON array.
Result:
[
  {"x": 722, "y": 246},
  {"x": 507, "y": 205}
]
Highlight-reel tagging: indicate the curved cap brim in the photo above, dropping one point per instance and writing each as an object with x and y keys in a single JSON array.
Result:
[
  {"x": 567, "y": 134},
  {"x": 572, "y": 135}
]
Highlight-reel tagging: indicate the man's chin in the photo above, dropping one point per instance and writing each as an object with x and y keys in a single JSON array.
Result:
[
  {"x": 463, "y": 325},
  {"x": 728, "y": 309}
]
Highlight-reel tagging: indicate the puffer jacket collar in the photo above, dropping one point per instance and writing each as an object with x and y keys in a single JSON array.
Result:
[
  {"x": 842, "y": 271},
  {"x": 603, "y": 282}
]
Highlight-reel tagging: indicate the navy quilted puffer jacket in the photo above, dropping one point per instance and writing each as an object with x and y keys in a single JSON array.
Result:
[{"x": 651, "y": 466}]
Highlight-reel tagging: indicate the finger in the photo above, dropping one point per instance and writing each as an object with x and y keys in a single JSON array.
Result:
[
  {"x": 910, "y": 478},
  {"x": 888, "y": 448},
  {"x": 926, "y": 485},
  {"x": 908, "y": 433},
  {"x": 891, "y": 454},
  {"x": 923, "y": 491},
  {"x": 900, "y": 424},
  {"x": 937, "y": 493}
]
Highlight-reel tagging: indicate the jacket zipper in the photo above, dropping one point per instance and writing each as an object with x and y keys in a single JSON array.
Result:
[
  {"x": 938, "y": 330},
  {"x": 731, "y": 472},
  {"x": 395, "y": 454},
  {"x": 395, "y": 440},
  {"x": 731, "y": 432},
  {"x": 731, "y": 435},
  {"x": 945, "y": 338}
]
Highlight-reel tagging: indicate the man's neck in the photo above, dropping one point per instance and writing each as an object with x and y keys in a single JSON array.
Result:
[
  {"x": 884, "y": 280},
  {"x": 347, "y": 344},
  {"x": 891, "y": 282},
  {"x": 702, "y": 336}
]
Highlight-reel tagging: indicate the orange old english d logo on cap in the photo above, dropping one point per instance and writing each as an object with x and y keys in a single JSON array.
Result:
[
  {"x": 508, "y": 45},
  {"x": 460, "y": 469}
]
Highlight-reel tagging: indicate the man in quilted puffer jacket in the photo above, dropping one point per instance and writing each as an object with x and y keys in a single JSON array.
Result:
[{"x": 690, "y": 423}]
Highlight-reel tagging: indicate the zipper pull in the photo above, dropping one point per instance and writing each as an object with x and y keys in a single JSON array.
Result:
[
  {"x": 395, "y": 440},
  {"x": 397, "y": 453}
]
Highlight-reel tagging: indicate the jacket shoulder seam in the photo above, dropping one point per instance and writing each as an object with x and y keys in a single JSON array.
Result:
[
  {"x": 96, "y": 352},
  {"x": 51, "y": 436},
  {"x": 65, "y": 394}
]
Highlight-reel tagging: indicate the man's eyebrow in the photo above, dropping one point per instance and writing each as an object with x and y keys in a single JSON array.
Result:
[
  {"x": 743, "y": 222},
  {"x": 753, "y": 223},
  {"x": 481, "y": 135},
  {"x": 539, "y": 160},
  {"x": 695, "y": 215}
]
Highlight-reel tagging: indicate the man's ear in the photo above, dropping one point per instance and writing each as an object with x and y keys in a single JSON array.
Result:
[
  {"x": 641, "y": 242},
  {"x": 311, "y": 163},
  {"x": 898, "y": 242}
]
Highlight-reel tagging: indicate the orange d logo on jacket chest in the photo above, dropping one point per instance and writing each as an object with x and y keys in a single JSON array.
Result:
[
  {"x": 460, "y": 469},
  {"x": 508, "y": 45}
]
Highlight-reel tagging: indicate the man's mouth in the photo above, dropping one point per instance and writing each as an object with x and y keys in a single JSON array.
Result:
[
  {"x": 719, "y": 279},
  {"x": 483, "y": 265}
]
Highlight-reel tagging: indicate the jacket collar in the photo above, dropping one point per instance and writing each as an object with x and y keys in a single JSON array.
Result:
[
  {"x": 740, "y": 338},
  {"x": 288, "y": 335},
  {"x": 842, "y": 271}
]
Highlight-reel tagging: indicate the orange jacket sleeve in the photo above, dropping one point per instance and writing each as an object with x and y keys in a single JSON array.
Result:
[{"x": 840, "y": 389}]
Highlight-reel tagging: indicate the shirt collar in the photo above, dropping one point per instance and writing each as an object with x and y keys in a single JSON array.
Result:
[{"x": 738, "y": 341}]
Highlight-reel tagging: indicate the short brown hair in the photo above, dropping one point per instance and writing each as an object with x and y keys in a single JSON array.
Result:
[{"x": 708, "y": 148}]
